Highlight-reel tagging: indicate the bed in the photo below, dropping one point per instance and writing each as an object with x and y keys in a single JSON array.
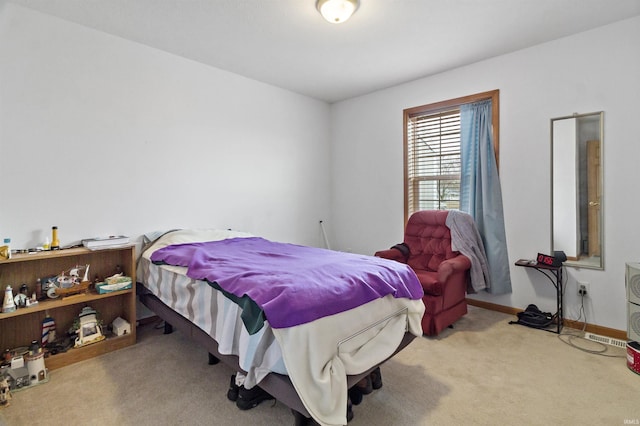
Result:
[{"x": 254, "y": 304}]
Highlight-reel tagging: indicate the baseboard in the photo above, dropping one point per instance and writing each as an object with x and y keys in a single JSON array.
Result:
[
  {"x": 493, "y": 307},
  {"x": 597, "y": 329},
  {"x": 592, "y": 328}
]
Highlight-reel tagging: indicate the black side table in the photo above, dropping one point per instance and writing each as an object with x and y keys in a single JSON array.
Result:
[{"x": 554, "y": 274}]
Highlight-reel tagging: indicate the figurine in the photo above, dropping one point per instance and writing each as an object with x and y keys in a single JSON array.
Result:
[
  {"x": 5, "y": 392},
  {"x": 89, "y": 329},
  {"x": 8, "y": 305},
  {"x": 67, "y": 285},
  {"x": 35, "y": 363},
  {"x": 48, "y": 288},
  {"x": 5, "y": 252},
  {"x": 21, "y": 300},
  {"x": 48, "y": 330}
]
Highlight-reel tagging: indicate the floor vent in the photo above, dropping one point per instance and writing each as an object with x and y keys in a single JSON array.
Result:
[{"x": 606, "y": 340}]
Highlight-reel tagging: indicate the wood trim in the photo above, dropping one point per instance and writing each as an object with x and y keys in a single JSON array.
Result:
[
  {"x": 407, "y": 113},
  {"x": 597, "y": 329},
  {"x": 434, "y": 107},
  {"x": 105, "y": 346},
  {"x": 493, "y": 307},
  {"x": 592, "y": 328},
  {"x": 405, "y": 166}
]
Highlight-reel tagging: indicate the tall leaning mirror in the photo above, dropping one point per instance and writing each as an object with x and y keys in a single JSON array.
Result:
[{"x": 576, "y": 188}]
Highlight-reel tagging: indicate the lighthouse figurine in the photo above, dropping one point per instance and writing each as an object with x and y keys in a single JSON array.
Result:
[{"x": 8, "y": 305}]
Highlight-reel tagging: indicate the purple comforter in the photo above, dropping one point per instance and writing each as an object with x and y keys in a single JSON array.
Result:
[{"x": 292, "y": 284}]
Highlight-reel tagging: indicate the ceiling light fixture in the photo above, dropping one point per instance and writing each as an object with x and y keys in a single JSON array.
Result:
[{"x": 337, "y": 11}]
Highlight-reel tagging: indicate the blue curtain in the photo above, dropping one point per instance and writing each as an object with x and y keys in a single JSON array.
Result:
[{"x": 480, "y": 192}]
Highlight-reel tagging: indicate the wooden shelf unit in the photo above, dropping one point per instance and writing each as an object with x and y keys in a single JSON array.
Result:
[{"x": 21, "y": 327}]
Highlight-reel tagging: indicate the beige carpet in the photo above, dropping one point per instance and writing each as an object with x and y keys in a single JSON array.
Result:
[{"x": 483, "y": 372}]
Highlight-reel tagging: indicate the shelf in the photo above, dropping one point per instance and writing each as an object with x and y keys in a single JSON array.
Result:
[
  {"x": 74, "y": 355},
  {"x": 52, "y": 254},
  {"x": 20, "y": 327},
  {"x": 51, "y": 304}
]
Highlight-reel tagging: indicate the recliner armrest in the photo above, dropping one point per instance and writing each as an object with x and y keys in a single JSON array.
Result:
[
  {"x": 392, "y": 254},
  {"x": 459, "y": 263}
]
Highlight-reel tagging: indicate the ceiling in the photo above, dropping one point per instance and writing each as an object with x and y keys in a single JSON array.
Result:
[{"x": 286, "y": 43}]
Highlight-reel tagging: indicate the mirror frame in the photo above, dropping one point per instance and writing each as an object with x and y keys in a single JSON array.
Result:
[{"x": 600, "y": 182}]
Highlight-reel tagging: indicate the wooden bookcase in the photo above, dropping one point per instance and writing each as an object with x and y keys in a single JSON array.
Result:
[{"x": 21, "y": 327}]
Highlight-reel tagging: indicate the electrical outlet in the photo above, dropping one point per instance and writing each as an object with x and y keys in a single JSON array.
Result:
[{"x": 583, "y": 288}]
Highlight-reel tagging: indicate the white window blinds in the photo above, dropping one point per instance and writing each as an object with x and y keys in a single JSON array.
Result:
[{"x": 433, "y": 160}]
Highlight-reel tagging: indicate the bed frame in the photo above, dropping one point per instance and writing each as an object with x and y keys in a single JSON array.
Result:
[{"x": 278, "y": 385}]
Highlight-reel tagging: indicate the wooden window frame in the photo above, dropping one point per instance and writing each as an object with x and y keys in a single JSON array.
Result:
[{"x": 434, "y": 108}]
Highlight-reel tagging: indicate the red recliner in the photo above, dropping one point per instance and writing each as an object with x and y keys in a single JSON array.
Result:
[{"x": 444, "y": 274}]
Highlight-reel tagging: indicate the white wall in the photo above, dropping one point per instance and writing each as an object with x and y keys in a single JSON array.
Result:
[
  {"x": 591, "y": 71},
  {"x": 99, "y": 136}
]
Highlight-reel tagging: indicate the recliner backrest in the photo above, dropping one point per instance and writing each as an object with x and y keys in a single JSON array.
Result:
[{"x": 429, "y": 239}]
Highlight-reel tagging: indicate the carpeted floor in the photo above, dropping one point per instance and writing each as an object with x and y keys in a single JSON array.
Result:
[{"x": 482, "y": 372}]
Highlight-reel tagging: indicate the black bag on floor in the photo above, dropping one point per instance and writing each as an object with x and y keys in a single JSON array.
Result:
[{"x": 533, "y": 317}]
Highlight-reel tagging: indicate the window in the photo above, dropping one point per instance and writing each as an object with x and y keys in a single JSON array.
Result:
[
  {"x": 433, "y": 160},
  {"x": 432, "y": 153}
]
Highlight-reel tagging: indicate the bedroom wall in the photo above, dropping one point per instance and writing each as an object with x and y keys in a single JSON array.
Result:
[
  {"x": 592, "y": 71},
  {"x": 102, "y": 136},
  {"x": 99, "y": 135}
]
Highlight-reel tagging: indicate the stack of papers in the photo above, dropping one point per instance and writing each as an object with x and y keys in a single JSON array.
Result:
[{"x": 105, "y": 242}]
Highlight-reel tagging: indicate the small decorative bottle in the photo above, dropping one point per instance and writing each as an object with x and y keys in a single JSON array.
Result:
[
  {"x": 39, "y": 289},
  {"x": 55, "y": 243}
]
